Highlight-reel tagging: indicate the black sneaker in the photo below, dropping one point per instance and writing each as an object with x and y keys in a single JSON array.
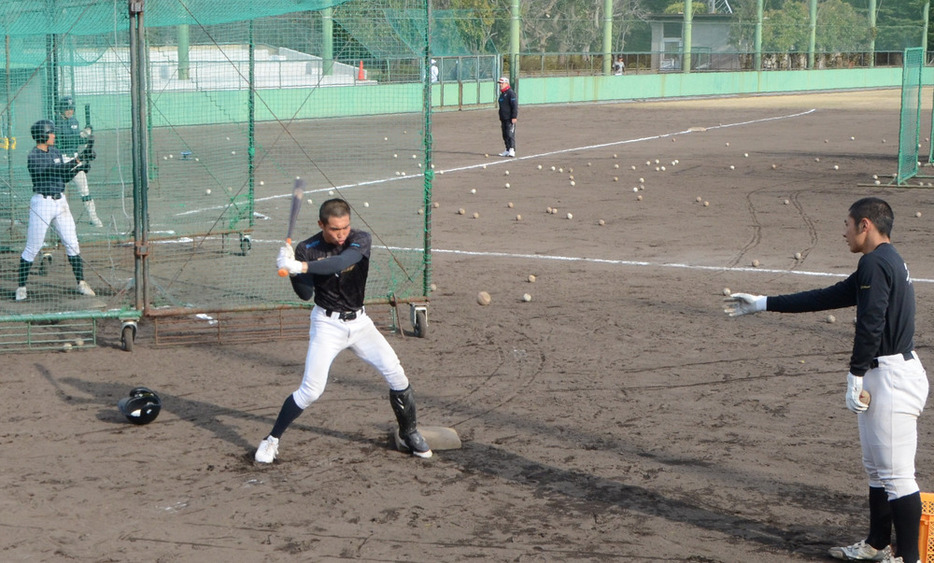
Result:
[{"x": 417, "y": 444}]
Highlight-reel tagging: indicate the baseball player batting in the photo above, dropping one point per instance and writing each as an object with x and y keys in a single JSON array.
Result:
[
  {"x": 49, "y": 171},
  {"x": 332, "y": 266},
  {"x": 883, "y": 363},
  {"x": 70, "y": 139}
]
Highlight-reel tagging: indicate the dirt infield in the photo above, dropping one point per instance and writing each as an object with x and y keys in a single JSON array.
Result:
[{"x": 618, "y": 415}]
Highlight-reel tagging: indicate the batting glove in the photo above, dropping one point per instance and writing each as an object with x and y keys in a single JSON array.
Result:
[
  {"x": 291, "y": 265},
  {"x": 739, "y": 304},
  {"x": 287, "y": 252},
  {"x": 854, "y": 386}
]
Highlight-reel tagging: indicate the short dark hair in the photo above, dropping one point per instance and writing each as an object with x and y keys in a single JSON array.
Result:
[
  {"x": 877, "y": 211},
  {"x": 333, "y": 208}
]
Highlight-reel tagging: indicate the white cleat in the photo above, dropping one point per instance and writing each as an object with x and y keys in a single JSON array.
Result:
[
  {"x": 84, "y": 289},
  {"x": 268, "y": 450}
]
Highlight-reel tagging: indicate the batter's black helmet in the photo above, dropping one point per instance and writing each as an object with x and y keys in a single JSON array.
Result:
[
  {"x": 141, "y": 407},
  {"x": 65, "y": 102},
  {"x": 40, "y": 130}
]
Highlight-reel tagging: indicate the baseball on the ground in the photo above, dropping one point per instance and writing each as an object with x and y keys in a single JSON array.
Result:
[
  {"x": 639, "y": 197},
  {"x": 786, "y": 202},
  {"x": 207, "y": 191},
  {"x": 727, "y": 292},
  {"x": 554, "y": 210},
  {"x": 831, "y": 319},
  {"x": 526, "y": 297},
  {"x": 483, "y": 298},
  {"x": 473, "y": 190},
  {"x": 539, "y": 166},
  {"x": 436, "y": 205},
  {"x": 601, "y": 222},
  {"x": 570, "y": 216},
  {"x": 509, "y": 205},
  {"x": 918, "y": 214},
  {"x": 506, "y": 173},
  {"x": 755, "y": 263},
  {"x": 476, "y": 215},
  {"x": 461, "y": 211},
  {"x": 506, "y": 185},
  {"x": 797, "y": 256},
  {"x": 698, "y": 199},
  {"x": 518, "y": 217},
  {"x": 79, "y": 342},
  {"x": 531, "y": 278},
  {"x": 706, "y": 204},
  {"x": 66, "y": 347}
]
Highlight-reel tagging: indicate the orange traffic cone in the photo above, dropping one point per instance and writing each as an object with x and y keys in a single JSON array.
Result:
[{"x": 361, "y": 74}]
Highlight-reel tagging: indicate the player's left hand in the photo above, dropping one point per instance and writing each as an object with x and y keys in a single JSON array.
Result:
[
  {"x": 86, "y": 132},
  {"x": 854, "y": 386},
  {"x": 287, "y": 252},
  {"x": 739, "y": 304}
]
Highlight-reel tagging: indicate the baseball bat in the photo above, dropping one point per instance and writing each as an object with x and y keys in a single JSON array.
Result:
[
  {"x": 87, "y": 115},
  {"x": 297, "y": 194}
]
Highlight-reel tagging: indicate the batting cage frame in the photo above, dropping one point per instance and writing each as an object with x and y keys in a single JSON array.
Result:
[
  {"x": 202, "y": 117},
  {"x": 909, "y": 132}
]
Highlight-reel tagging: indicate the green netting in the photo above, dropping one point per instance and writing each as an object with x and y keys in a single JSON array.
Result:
[
  {"x": 241, "y": 99},
  {"x": 910, "y": 120}
]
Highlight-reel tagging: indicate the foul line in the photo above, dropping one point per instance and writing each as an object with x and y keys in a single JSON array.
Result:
[
  {"x": 643, "y": 263},
  {"x": 506, "y": 160}
]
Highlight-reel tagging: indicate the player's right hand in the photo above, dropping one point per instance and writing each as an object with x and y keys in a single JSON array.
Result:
[
  {"x": 739, "y": 304},
  {"x": 854, "y": 386},
  {"x": 287, "y": 252}
]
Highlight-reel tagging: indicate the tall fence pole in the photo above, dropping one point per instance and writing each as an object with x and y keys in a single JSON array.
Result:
[
  {"x": 687, "y": 36},
  {"x": 607, "y": 36},
  {"x": 514, "y": 43},
  {"x": 139, "y": 150},
  {"x": 812, "y": 33},
  {"x": 872, "y": 33},
  {"x": 757, "y": 56}
]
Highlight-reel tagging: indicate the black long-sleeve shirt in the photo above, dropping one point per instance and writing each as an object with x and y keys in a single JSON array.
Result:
[
  {"x": 884, "y": 297},
  {"x": 49, "y": 171},
  {"x": 508, "y": 105},
  {"x": 336, "y": 275}
]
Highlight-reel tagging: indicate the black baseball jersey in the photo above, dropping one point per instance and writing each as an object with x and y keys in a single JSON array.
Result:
[
  {"x": 336, "y": 274},
  {"x": 884, "y": 296},
  {"x": 68, "y": 135},
  {"x": 49, "y": 171}
]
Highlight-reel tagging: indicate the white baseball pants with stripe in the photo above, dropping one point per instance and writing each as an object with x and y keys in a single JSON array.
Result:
[{"x": 43, "y": 212}]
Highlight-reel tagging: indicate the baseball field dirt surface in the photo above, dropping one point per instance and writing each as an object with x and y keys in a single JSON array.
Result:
[{"x": 608, "y": 410}]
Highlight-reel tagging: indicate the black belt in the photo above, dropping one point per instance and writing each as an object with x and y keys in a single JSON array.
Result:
[
  {"x": 52, "y": 196},
  {"x": 907, "y": 355},
  {"x": 343, "y": 315}
]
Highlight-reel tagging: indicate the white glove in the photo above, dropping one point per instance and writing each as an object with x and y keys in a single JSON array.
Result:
[
  {"x": 85, "y": 133},
  {"x": 739, "y": 304},
  {"x": 854, "y": 386},
  {"x": 287, "y": 252},
  {"x": 291, "y": 265}
]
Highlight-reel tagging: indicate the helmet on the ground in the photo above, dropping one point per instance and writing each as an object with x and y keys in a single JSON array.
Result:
[
  {"x": 65, "y": 103},
  {"x": 41, "y": 129},
  {"x": 142, "y": 406}
]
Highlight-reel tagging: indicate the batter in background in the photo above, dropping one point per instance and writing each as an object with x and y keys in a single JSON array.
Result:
[
  {"x": 883, "y": 363},
  {"x": 70, "y": 139},
  {"x": 49, "y": 171},
  {"x": 332, "y": 267}
]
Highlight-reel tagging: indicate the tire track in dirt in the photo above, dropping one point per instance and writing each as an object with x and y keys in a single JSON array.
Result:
[{"x": 756, "y": 237}]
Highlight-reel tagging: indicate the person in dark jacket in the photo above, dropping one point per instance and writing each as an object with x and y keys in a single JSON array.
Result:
[{"x": 508, "y": 114}]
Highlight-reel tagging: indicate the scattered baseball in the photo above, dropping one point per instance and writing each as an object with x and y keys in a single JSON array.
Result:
[
  {"x": 774, "y": 166},
  {"x": 421, "y": 211},
  {"x": 831, "y": 319},
  {"x": 817, "y": 159},
  {"x": 394, "y": 155},
  {"x": 79, "y": 342},
  {"x": 554, "y": 210},
  {"x": 506, "y": 185},
  {"x": 506, "y": 173},
  {"x": 797, "y": 256},
  {"x": 639, "y": 197},
  {"x": 865, "y": 397},
  {"x": 732, "y": 167},
  {"x": 573, "y": 183},
  {"x": 786, "y": 202},
  {"x": 233, "y": 152},
  {"x": 66, "y": 347},
  {"x": 207, "y": 191},
  {"x": 561, "y": 170},
  {"x": 570, "y": 216},
  {"x": 473, "y": 190},
  {"x": 366, "y": 204},
  {"x": 548, "y": 209},
  {"x": 616, "y": 178},
  {"x": 601, "y": 222},
  {"x": 635, "y": 188},
  {"x": 616, "y": 166},
  {"x": 526, "y": 297},
  {"x": 745, "y": 155},
  {"x": 633, "y": 167},
  {"x": 878, "y": 182},
  {"x": 436, "y": 205},
  {"x": 486, "y": 154},
  {"x": 476, "y": 215},
  {"x": 461, "y": 211},
  {"x": 509, "y": 205},
  {"x": 385, "y": 138},
  {"x": 330, "y": 192},
  {"x": 518, "y": 217},
  {"x": 706, "y": 204},
  {"x": 727, "y": 292},
  {"x": 663, "y": 168},
  {"x": 836, "y": 167},
  {"x": 262, "y": 183},
  {"x": 614, "y": 155},
  {"x": 728, "y": 144},
  {"x": 852, "y": 138},
  {"x": 755, "y": 263},
  {"x": 531, "y": 278},
  {"x": 483, "y": 298},
  {"x": 917, "y": 214},
  {"x": 552, "y": 168},
  {"x": 539, "y": 166},
  {"x": 698, "y": 199},
  {"x": 641, "y": 180}
]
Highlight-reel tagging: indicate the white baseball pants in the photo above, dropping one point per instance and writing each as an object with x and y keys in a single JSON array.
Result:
[
  {"x": 888, "y": 430},
  {"x": 329, "y": 336},
  {"x": 45, "y": 211}
]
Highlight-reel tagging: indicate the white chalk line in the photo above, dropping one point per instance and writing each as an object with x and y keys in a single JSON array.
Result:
[{"x": 506, "y": 160}]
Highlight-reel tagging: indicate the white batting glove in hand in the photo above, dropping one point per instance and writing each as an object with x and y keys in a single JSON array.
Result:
[
  {"x": 287, "y": 252},
  {"x": 739, "y": 304},
  {"x": 854, "y": 386},
  {"x": 291, "y": 265}
]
